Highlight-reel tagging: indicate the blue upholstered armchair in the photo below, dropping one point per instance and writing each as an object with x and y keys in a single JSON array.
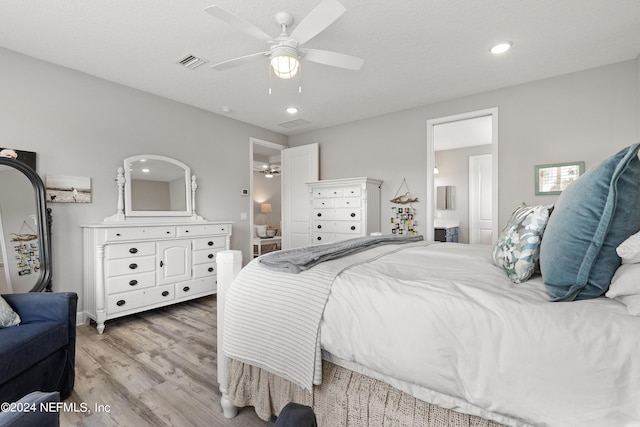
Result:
[{"x": 39, "y": 353}]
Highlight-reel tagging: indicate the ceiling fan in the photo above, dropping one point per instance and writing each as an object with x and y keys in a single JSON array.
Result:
[
  {"x": 270, "y": 170},
  {"x": 285, "y": 52}
]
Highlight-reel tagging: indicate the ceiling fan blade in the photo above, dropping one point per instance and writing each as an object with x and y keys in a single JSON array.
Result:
[
  {"x": 239, "y": 61},
  {"x": 334, "y": 59},
  {"x": 317, "y": 20},
  {"x": 239, "y": 23}
]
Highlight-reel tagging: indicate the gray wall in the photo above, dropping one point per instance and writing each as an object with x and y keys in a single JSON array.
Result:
[
  {"x": 587, "y": 116},
  {"x": 83, "y": 126}
]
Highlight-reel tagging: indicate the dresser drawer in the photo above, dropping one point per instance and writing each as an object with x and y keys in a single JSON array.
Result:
[
  {"x": 323, "y": 203},
  {"x": 352, "y": 191},
  {"x": 203, "y": 230},
  {"x": 322, "y": 193},
  {"x": 210, "y": 243},
  {"x": 123, "y": 266},
  {"x": 204, "y": 270},
  {"x": 141, "y": 298},
  {"x": 203, "y": 256},
  {"x": 337, "y": 214},
  {"x": 130, "y": 282},
  {"x": 329, "y": 237},
  {"x": 139, "y": 233},
  {"x": 352, "y": 227},
  {"x": 129, "y": 250},
  {"x": 348, "y": 202},
  {"x": 195, "y": 287}
]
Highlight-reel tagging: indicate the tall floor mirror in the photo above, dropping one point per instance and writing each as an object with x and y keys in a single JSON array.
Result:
[{"x": 25, "y": 229}]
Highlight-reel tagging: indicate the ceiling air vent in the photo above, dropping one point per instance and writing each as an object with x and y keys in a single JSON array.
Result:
[
  {"x": 191, "y": 62},
  {"x": 294, "y": 123}
]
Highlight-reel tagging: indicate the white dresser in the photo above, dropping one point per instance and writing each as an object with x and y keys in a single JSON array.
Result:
[
  {"x": 130, "y": 268},
  {"x": 344, "y": 208}
]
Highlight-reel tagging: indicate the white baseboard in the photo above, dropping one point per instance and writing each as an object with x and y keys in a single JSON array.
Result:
[{"x": 81, "y": 319}]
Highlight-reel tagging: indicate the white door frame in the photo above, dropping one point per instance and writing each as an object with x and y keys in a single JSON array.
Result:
[
  {"x": 493, "y": 112},
  {"x": 268, "y": 144}
]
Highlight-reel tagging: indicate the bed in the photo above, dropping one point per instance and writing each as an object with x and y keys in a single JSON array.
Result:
[{"x": 424, "y": 333}]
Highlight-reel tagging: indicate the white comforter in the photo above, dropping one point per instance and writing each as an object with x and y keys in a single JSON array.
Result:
[{"x": 451, "y": 328}]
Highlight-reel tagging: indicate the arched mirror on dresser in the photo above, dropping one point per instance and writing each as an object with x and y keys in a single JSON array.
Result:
[
  {"x": 155, "y": 250},
  {"x": 25, "y": 229}
]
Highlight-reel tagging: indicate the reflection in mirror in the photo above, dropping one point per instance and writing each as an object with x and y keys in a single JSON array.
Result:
[
  {"x": 24, "y": 252},
  {"x": 446, "y": 197},
  {"x": 157, "y": 186}
]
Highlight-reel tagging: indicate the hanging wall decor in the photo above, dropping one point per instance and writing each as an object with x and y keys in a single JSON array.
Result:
[
  {"x": 26, "y": 250},
  {"x": 403, "y": 217}
]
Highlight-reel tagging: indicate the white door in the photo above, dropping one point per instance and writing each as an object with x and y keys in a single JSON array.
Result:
[
  {"x": 480, "y": 200},
  {"x": 299, "y": 166}
]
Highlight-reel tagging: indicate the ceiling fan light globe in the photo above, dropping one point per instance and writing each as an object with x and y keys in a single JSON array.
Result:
[{"x": 285, "y": 67}]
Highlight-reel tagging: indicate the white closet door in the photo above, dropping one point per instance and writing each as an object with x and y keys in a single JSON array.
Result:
[{"x": 299, "y": 166}]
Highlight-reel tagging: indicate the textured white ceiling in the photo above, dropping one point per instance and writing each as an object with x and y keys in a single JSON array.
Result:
[{"x": 416, "y": 52}]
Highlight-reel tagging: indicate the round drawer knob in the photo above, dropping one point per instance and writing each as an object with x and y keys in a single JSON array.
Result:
[
  {"x": 118, "y": 234},
  {"x": 319, "y": 226},
  {"x": 133, "y": 282},
  {"x": 353, "y": 214},
  {"x": 210, "y": 269},
  {"x": 186, "y": 289},
  {"x": 133, "y": 266},
  {"x": 353, "y": 227},
  {"x": 319, "y": 238},
  {"x": 133, "y": 250},
  {"x": 121, "y": 302},
  {"x": 165, "y": 293},
  {"x": 210, "y": 243},
  {"x": 319, "y": 214},
  {"x": 210, "y": 256}
]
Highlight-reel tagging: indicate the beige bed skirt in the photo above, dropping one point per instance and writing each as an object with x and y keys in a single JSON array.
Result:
[{"x": 345, "y": 399}]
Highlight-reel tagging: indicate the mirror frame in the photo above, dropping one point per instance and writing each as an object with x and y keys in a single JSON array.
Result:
[
  {"x": 43, "y": 216},
  {"x": 127, "y": 188}
]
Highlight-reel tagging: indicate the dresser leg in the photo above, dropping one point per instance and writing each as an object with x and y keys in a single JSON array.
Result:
[{"x": 100, "y": 328}]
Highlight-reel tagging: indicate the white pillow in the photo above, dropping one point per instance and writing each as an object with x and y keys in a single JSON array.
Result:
[
  {"x": 625, "y": 287},
  {"x": 629, "y": 250},
  {"x": 8, "y": 317}
]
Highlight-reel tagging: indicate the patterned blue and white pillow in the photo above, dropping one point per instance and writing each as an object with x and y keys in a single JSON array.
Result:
[
  {"x": 517, "y": 250},
  {"x": 8, "y": 317}
]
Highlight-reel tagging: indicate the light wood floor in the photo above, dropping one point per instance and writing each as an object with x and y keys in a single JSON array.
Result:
[{"x": 156, "y": 368}]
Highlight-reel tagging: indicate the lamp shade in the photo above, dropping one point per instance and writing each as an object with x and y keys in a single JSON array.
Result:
[{"x": 265, "y": 207}]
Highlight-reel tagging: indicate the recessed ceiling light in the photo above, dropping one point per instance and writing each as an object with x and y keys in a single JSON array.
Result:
[
  {"x": 292, "y": 110},
  {"x": 501, "y": 48},
  {"x": 226, "y": 110},
  {"x": 145, "y": 170}
]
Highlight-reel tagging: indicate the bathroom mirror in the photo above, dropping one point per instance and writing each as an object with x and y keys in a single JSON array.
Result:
[
  {"x": 25, "y": 221},
  {"x": 156, "y": 186},
  {"x": 445, "y": 197}
]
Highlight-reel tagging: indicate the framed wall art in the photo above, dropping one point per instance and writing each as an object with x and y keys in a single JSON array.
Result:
[{"x": 68, "y": 189}]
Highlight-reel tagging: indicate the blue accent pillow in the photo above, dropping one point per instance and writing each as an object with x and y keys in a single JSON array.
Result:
[{"x": 592, "y": 216}]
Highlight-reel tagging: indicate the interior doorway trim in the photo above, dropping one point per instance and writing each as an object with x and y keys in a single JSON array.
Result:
[
  {"x": 252, "y": 143},
  {"x": 430, "y": 203}
]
